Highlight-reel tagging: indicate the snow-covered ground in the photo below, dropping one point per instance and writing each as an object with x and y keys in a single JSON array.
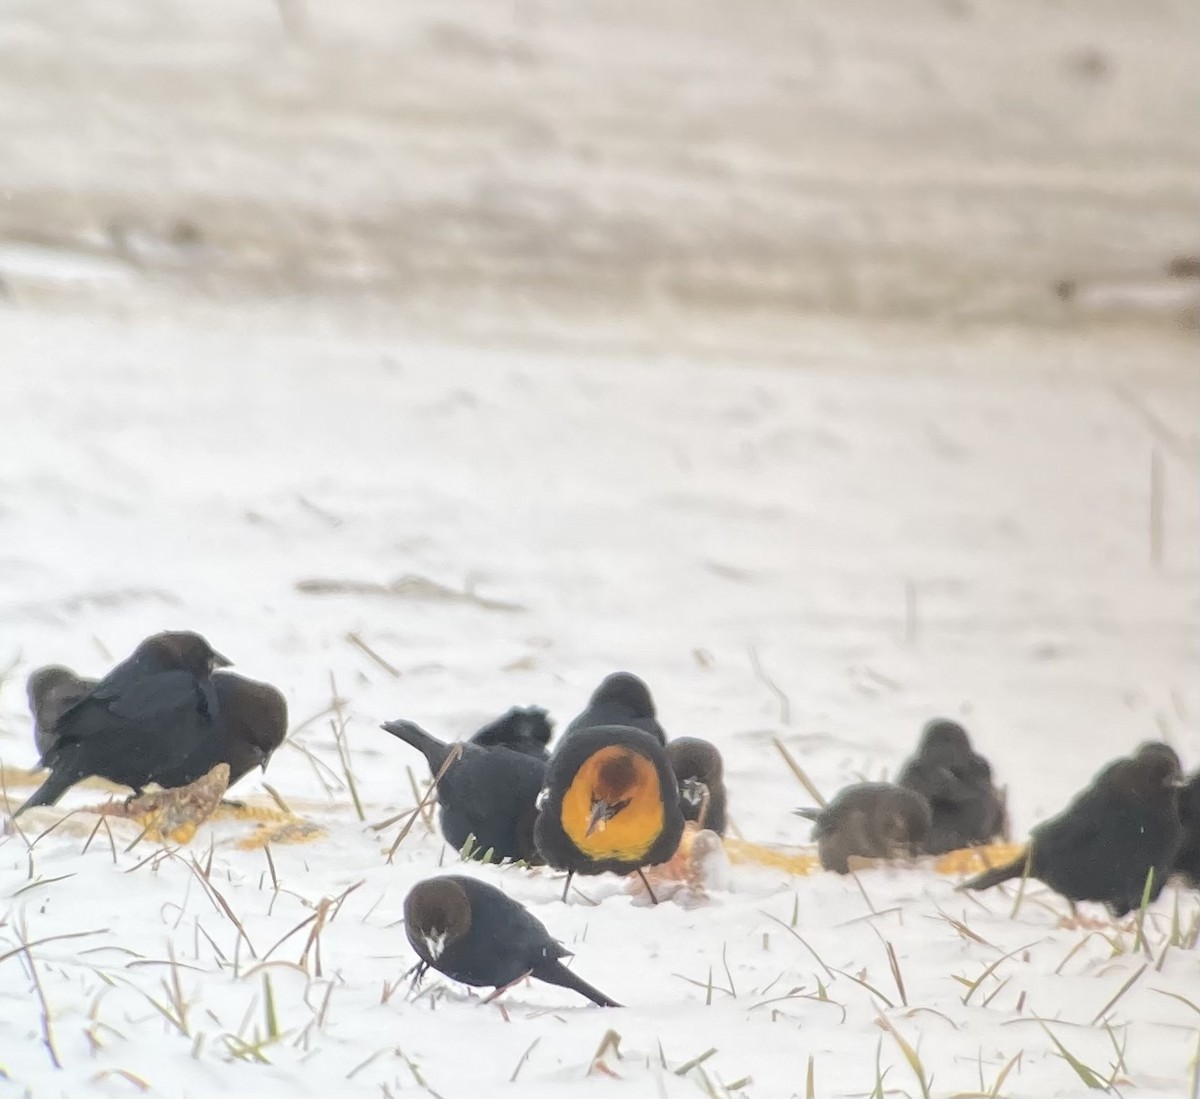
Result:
[
  {"x": 667, "y": 517},
  {"x": 516, "y": 346}
]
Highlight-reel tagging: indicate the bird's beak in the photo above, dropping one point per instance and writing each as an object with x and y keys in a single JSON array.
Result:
[
  {"x": 601, "y": 811},
  {"x": 219, "y": 661}
]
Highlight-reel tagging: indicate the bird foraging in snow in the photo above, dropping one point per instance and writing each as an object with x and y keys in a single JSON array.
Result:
[
  {"x": 472, "y": 933},
  {"x": 870, "y": 820},
  {"x": 700, "y": 773},
  {"x": 1105, "y": 845}
]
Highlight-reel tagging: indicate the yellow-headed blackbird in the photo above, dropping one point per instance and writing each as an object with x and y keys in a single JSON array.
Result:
[
  {"x": 151, "y": 719},
  {"x": 473, "y": 933},
  {"x": 523, "y": 729},
  {"x": 700, "y": 773},
  {"x": 251, "y": 716},
  {"x": 871, "y": 820},
  {"x": 1105, "y": 845},
  {"x": 488, "y": 796},
  {"x": 957, "y": 782},
  {"x": 621, "y": 699},
  {"x": 610, "y": 803}
]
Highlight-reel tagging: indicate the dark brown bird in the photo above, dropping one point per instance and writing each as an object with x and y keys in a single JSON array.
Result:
[
  {"x": 52, "y": 691},
  {"x": 487, "y": 797},
  {"x": 1107, "y": 842},
  {"x": 251, "y": 716},
  {"x": 957, "y": 782},
  {"x": 151, "y": 719},
  {"x": 252, "y": 720},
  {"x": 870, "y": 820},
  {"x": 523, "y": 729},
  {"x": 621, "y": 699},
  {"x": 1187, "y": 861},
  {"x": 700, "y": 772},
  {"x": 474, "y": 934},
  {"x": 610, "y": 803}
]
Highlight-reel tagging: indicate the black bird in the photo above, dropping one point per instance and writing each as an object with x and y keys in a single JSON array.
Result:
[
  {"x": 252, "y": 722},
  {"x": 610, "y": 803},
  {"x": 621, "y": 699},
  {"x": 1187, "y": 861},
  {"x": 251, "y": 716},
  {"x": 700, "y": 773},
  {"x": 474, "y": 934},
  {"x": 871, "y": 820},
  {"x": 52, "y": 691},
  {"x": 957, "y": 782},
  {"x": 1104, "y": 845},
  {"x": 487, "y": 795},
  {"x": 151, "y": 719},
  {"x": 523, "y": 729}
]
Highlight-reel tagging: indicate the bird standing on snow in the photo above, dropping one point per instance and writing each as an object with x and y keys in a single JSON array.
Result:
[
  {"x": 52, "y": 691},
  {"x": 957, "y": 782},
  {"x": 1106, "y": 843},
  {"x": 472, "y": 933},
  {"x": 610, "y": 803},
  {"x": 151, "y": 719},
  {"x": 487, "y": 795},
  {"x": 700, "y": 773},
  {"x": 870, "y": 820}
]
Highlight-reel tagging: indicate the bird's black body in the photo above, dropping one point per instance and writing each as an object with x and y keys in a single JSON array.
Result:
[
  {"x": 700, "y": 773},
  {"x": 472, "y": 933},
  {"x": 621, "y": 699},
  {"x": 523, "y": 729},
  {"x": 873, "y": 820},
  {"x": 1103, "y": 846},
  {"x": 52, "y": 691},
  {"x": 252, "y": 722},
  {"x": 487, "y": 793},
  {"x": 151, "y": 719},
  {"x": 610, "y": 803},
  {"x": 1187, "y": 860},
  {"x": 957, "y": 782}
]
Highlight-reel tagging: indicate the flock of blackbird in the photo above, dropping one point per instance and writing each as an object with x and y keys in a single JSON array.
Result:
[{"x": 612, "y": 796}]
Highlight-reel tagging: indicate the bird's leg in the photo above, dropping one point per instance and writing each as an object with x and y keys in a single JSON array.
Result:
[
  {"x": 567, "y": 887},
  {"x": 417, "y": 973},
  {"x": 504, "y": 988},
  {"x": 646, "y": 883}
]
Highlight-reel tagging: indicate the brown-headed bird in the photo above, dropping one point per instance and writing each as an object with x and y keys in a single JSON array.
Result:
[
  {"x": 1187, "y": 861},
  {"x": 52, "y": 691},
  {"x": 252, "y": 722},
  {"x": 957, "y": 782},
  {"x": 487, "y": 796},
  {"x": 474, "y": 934},
  {"x": 1105, "y": 845},
  {"x": 523, "y": 729},
  {"x": 151, "y": 719},
  {"x": 621, "y": 699},
  {"x": 700, "y": 772},
  {"x": 870, "y": 820},
  {"x": 610, "y": 803}
]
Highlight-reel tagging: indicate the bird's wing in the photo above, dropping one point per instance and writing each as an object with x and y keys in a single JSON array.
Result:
[{"x": 152, "y": 699}]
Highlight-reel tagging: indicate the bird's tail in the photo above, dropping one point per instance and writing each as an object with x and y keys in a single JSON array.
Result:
[
  {"x": 57, "y": 783},
  {"x": 435, "y": 751},
  {"x": 555, "y": 973},
  {"x": 810, "y": 813},
  {"x": 997, "y": 874}
]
